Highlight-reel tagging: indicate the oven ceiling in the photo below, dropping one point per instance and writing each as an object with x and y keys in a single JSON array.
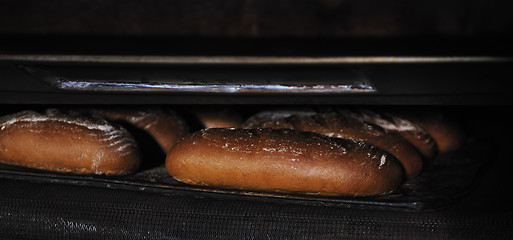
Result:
[
  {"x": 262, "y": 18},
  {"x": 410, "y": 52}
]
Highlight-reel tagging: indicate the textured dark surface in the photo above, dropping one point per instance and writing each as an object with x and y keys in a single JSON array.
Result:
[
  {"x": 263, "y": 18},
  {"x": 53, "y": 211}
]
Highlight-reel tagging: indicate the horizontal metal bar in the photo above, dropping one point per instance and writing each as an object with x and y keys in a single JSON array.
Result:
[
  {"x": 346, "y": 81},
  {"x": 249, "y": 59},
  {"x": 201, "y": 88}
]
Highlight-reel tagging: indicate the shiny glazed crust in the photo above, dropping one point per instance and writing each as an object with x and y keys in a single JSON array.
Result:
[
  {"x": 218, "y": 118},
  {"x": 166, "y": 127},
  {"x": 283, "y": 160},
  {"x": 448, "y": 135},
  {"x": 337, "y": 125},
  {"x": 65, "y": 143},
  {"x": 411, "y": 131}
]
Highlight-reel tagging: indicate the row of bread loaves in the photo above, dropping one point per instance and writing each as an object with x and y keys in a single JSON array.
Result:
[{"x": 324, "y": 152}]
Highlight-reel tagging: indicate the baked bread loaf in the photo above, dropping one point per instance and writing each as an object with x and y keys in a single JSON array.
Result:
[
  {"x": 283, "y": 160},
  {"x": 337, "y": 125},
  {"x": 164, "y": 126},
  {"x": 218, "y": 118},
  {"x": 69, "y": 142},
  {"x": 447, "y": 133},
  {"x": 412, "y": 132}
]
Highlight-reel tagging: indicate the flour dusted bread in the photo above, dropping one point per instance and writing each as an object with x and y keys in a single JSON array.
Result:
[
  {"x": 66, "y": 142},
  {"x": 165, "y": 126},
  {"x": 409, "y": 130},
  {"x": 447, "y": 133},
  {"x": 339, "y": 125},
  {"x": 283, "y": 160}
]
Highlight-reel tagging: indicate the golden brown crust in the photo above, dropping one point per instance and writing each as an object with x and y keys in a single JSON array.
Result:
[
  {"x": 166, "y": 127},
  {"x": 283, "y": 160},
  {"x": 346, "y": 126},
  {"x": 66, "y": 143},
  {"x": 218, "y": 118},
  {"x": 448, "y": 135},
  {"x": 412, "y": 132}
]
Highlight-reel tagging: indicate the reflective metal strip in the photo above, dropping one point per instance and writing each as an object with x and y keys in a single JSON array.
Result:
[{"x": 249, "y": 59}]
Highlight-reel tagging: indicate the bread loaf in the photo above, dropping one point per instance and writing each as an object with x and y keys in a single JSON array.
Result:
[
  {"x": 218, "y": 118},
  {"x": 446, "y": 132},
  {"x": 69, "y": 142},
  {"x": 165, "y": 126},
  {"x": 412, "y": 132},
  {"x": 337, "y": 125},
  {"x": 283, "y": 160}
]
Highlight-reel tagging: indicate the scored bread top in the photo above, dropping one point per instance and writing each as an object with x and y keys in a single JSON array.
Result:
[
  {"x": 337, "y": 125},
  {"x": 165, "y": 126},
  {"x": 283, "y": 160},
  {"x": 411, "y": 131},
  {"x": 66, "y": 142}
]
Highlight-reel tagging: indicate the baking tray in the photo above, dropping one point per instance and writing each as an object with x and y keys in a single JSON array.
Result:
[{"x": 443, "y": 182}]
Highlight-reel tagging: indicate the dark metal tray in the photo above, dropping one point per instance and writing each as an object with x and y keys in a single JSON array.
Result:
[{"x": 443, "y": 182}]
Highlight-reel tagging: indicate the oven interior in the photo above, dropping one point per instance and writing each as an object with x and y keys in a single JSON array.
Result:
[
  {"x": 338, "y": 55},
  {"x": 463, "y": 186}
]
